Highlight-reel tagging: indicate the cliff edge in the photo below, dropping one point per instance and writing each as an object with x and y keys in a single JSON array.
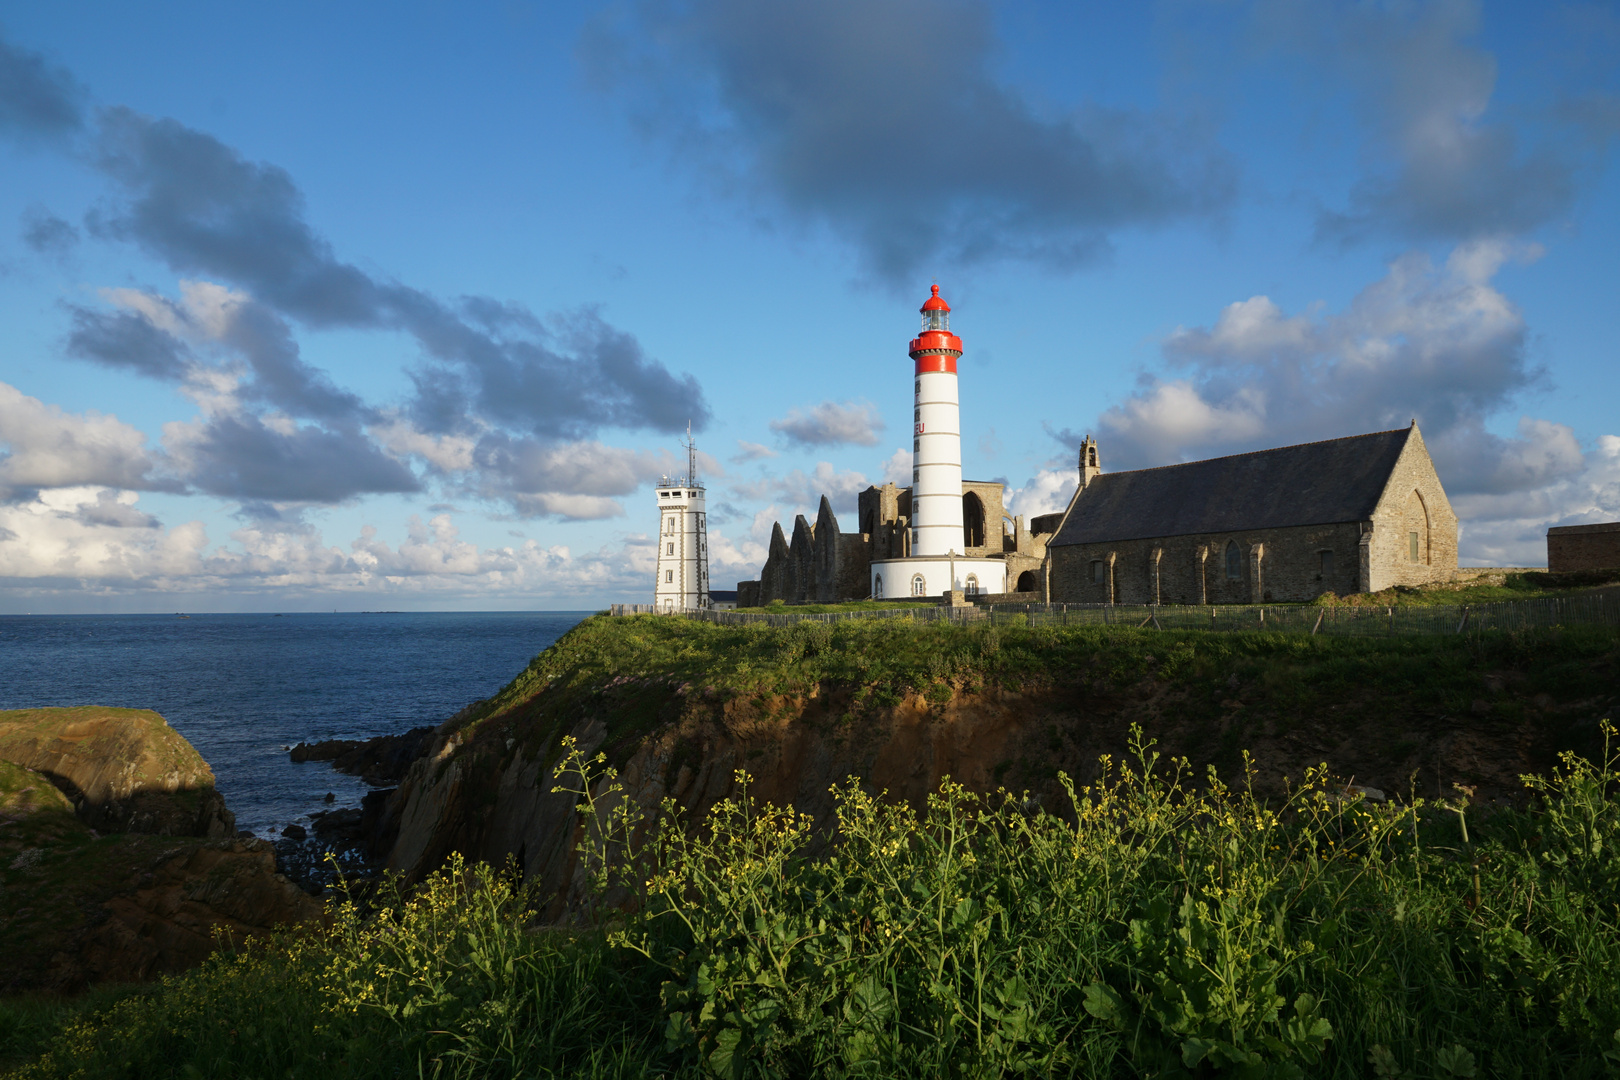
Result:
[{"x": 679, "y": 706}]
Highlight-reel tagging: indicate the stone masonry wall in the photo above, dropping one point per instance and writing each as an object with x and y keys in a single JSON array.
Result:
[
  {"x": 1583, "y": 547},
  {"x": 1272, "y": 565},
  {"x": 1413, "y": 502}
]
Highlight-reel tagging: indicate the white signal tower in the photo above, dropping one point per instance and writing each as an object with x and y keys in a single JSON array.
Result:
[{"x": 682, "y": 583}]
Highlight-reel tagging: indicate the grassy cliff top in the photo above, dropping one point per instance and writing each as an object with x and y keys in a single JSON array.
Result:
[
  {"x": 678, "y": 664},
  {"x": 24, "y": 793},
  {"x": 106, "y": 753}
]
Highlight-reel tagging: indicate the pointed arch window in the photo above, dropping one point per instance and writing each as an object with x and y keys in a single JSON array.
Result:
[
  {"x": 972, "y": 520},
  {"x": 1234, "y": 561}
]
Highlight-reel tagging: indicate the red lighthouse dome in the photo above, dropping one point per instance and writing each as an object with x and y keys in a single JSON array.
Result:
[{"x": 936, "y": 348}]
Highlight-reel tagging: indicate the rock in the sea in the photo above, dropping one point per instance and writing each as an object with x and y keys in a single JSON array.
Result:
[
  {"x": 380, "y": 761},
  {"x": 295, "y": 832},
  {"x": 125, "y": 770}
]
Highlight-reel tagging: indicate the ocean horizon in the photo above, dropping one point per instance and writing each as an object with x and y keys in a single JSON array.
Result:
[{"x": 244, "y": 687}]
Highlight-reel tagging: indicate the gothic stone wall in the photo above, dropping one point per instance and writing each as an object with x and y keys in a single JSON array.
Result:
[
  {"x": 989, "y": 494},
  {"x": 1413, "y": 502},
  {"x": 1273, "y": 565},
  {"x": 1583, "y": 547}
]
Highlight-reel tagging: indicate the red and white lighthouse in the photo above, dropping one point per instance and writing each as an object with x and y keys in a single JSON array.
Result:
[
  {"x": 936, "y": 441},
  {"x": 936, "y": 561}
]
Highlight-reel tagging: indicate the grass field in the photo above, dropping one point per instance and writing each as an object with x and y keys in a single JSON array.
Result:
[{"x": 1164, "y": 922}]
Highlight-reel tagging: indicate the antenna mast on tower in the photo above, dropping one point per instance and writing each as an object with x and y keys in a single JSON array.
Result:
[{"x": 691, "y": 457}]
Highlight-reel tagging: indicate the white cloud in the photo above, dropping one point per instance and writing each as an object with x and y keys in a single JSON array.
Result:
[
  {"x": 831, "y": 424},
  {"x": 802, "y": 491},
  {"x": 751, "y": 451},
  {"x": 47, "y": 447},
  {"x": 57, "y": 538},
  {"x": 731, "y": 561},
  {"x": 203, "y": 314},
  {"x": 450, "y": 453},
  {"x": 897, "y": 468},
  {"x": 87, "y": 540},
  {"x": 1439, "y": 344},
  {"x": 1047, "y": 492}
]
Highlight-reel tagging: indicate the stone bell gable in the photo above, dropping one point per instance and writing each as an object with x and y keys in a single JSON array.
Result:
[{"x": 1356, "y": 514}]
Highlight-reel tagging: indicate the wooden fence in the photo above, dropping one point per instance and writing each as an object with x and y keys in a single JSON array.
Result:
[{"x": 1597, "y": 608}]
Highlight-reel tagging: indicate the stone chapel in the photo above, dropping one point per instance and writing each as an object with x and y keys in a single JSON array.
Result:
[{"x": 1351, "y": 515}]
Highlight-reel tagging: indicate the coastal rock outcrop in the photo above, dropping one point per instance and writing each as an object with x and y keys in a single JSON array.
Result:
[
  {"x": 79, "y": 905},
  {"x": 125, "y": 770},
  {"x": 380, "y": 761},
  {"x": 168, "y": 921}
]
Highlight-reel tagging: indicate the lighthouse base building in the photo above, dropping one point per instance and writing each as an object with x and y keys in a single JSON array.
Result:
[{"x": 823, "y": 565}]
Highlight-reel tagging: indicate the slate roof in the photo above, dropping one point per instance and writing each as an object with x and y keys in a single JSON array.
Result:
[{"x": 1316, "y": 483}]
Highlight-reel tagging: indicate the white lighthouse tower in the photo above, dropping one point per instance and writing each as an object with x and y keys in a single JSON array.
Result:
[
  {"x": 682, "y": 582},
  {"x": 935, "y": 563}
]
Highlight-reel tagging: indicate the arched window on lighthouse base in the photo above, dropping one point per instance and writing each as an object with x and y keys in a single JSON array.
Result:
[{"x": 918, "y": 586}]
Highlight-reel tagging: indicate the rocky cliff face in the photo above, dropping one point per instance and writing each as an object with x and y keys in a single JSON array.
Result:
[{"x": 125, "y": 770}]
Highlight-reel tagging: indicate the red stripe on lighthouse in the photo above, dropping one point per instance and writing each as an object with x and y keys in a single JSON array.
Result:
[{"x": 937, "y": 362}]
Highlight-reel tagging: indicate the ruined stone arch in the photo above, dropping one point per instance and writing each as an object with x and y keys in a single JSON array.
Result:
[
  {"x": 1026, "y": 581},
  {"x": 972, "y": 520}
]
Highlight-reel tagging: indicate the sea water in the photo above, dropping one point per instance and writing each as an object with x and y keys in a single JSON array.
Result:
[{"x": 245, "y": 688}]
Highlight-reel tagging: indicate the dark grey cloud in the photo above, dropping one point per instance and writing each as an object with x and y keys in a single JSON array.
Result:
[
  {"x": 884, "y": 120},
  {"x": 238, "y": 328},
  {"x": 46, "y": 233},
  {"x": 1442, "y": 163},
  {"x": 281, "y": 377},
  {"x": 202, "y": 208},
  {"x": 37, "y": 99},
  {"x": 124, "y": 339},
  {"x": 241, "y": 457}
]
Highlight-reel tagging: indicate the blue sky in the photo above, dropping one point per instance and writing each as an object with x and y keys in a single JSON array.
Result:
[{"x": 407, "y": 306}]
